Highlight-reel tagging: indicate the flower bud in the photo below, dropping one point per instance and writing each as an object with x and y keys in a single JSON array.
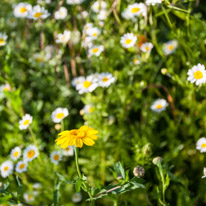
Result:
[
  {"x": 157, "y": 160},
  {"x": 138, "y": 171},
  {"x": 164, "y": 71}
]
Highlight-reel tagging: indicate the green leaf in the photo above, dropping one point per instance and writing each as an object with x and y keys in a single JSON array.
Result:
[
  {"x": 119, "y": 169},
  {"x": 62, "y": 178},
  {"x": 78, "y": 185}
]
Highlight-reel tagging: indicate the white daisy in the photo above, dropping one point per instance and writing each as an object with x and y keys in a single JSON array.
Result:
[
  {"x": 38, "y": 57},
  {"x": 5, "y": 88},
  {"x": 197, "y": 74},
  {"x": 170, "y": 47},
  {"x": 153, "y": 2},
  {"x": 49, "y": 51},
  {"x": 93, "y": 32},
  {"x": 77, "y": 197},
  {"x": 102, "y": 15},
  {"x": 21, "y": 166},
  {"x": 73, "y": 2},
  {"x": 61, "y": 13},
  {"x": 22, "y": 10},
  {"x": 37, "y": 186},
  {"x": 87, "y": 109},
  {"x": 128, "y": 40},
  {"x": 25, "y": 122},
  {"x": 59, "y": 114},
  {"x": 146, "y": 47},
  {"x": 96, "y": 50},
  {"x": 105, "y": 79},
  {"x": 69, "y": 151},
  {"x": 99, "y": 5},
  {"x": 87, "y": 42},
  {"x": 6, "y": 168},
  {"x": 87, "y": 26},
  {"x": 28, "y": 197},
  {"x": 137, "y": 9},
  {"x": 77, "y": 80},
  {"x": 56, "y": 156},
  {"x": 30, "y": 153},
  {"x": 83, "y": 15},
  {"x": 89, "y": 84},
  {"x": 16, "y": 204},
  {"x": 201, "y": 144},
  {"x": 159, "y": 105},
  {"x": 3, "y": 38},
  {"x": 204, "y": 173},
  {"x": 63, "y": 38},
  {"x": 38, "y": 12},
  {"x": 15, "y": 153},
  {"x": 137, "y": 60}
]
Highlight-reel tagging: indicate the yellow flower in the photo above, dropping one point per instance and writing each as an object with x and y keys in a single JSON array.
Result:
[{"x": 78, "y": 137}]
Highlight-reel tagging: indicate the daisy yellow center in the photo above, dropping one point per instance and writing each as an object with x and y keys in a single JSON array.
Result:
[
  {"x": 87, "y": 84},
  {"x": 30, "y": 154},
  {"x": 23, "y": 9},
  {"x": 95, "y": 50},
  {"x": 38, "y": 14},
  {"x": 204, "y": 145},
  {"x": 39, "y": 59},
  {"x": 90, "y": 109},
  {"x": 22, "y": 166},
  {"x": 16, "y": 154},
  {"x": 6, "y": 89},
  {"x": 147, "y": 48},
  {"x": 135, "y": 60},
  {"x": 135, "y": 10},
  {"x": 61, "y": 13},
  {"x": 198, "y": 75},
  {"x": 67, "y": 149},
  {"x": 1, "y": 41},
  {"x": 105, "y": 79},
  {"x": 63, "y": 37},
  {"x": 29, "y": 197},
  {"x": 56, "y": 157},
  {"x": 6, "y": 168},
  {"x": 95, "y": 34},
  {"x": 170, "y": 47},
  {"x": 159, "y": 106},
  {"x": 128, "y": 41},
  {"x": 60, "y": 115},
  {"x": 26, "y": 122}
]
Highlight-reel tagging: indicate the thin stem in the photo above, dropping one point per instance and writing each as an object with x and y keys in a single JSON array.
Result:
[
  {"x": 33, "y": 136},
  {"x": 62, "y": 125}
]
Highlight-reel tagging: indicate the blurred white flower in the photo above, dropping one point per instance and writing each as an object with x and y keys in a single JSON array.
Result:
[
  {"x": 22, "y": 10},
  {"x": 73, "y": 2},
  {"x": 25, "y": 122},
  {"x": 204, "y": 173},
  {"x": 93, "y": 32},
  {"x": 77, "y": 197},
  {"x": 87, "y": 42},
  {"x": 146, "y": 47},
  {"x": 197, "y": 74},
  {"x": 99, "y": 5},
  {"x": 63, "y": 38},
  {"x": 69, "y": 151},
  {"x": 15, "y": 153},
  {"x": 5, "y": 88},
  {"x": 153, "y": 2},
  {"x": 96, "y": 50},
  {"x": 61, "y": 13},
  {"x": 3, "y": 38},
  {"x": 21, "y": 166},
  {"x": 38, "y": 12},
  {"x": 28, "y": 197},
  {"x": 87, "y": 26},
  {"x": 201, "y": 144},
  {"x": 128, "y": 40},
  {"x": 30, "y": 153},
  {"x": 159, "y": 105},
  {"x": 83, "y": 15},
  {"x": 106, "y": 79},
  {"x": 59, "y": 114},
  {"x": 56, "y": 157},
  {"x": 170, "y": 47},
  {"x": 6, "y": 168},
  {"x": 38, "y": 57},
  {"x": 102, "y": 15},
  {"x": 137, "y": 60},
  {"x": 77, "y": 80},
  {"x": 87, "y": 109}
]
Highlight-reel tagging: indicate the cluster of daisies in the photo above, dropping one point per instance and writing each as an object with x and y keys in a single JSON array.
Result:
[
  {"x": 29, "y": 153},
  {"x": 91, "y": 82}
]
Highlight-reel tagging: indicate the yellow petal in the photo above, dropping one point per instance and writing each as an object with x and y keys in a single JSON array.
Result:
[{"x": 88, "y": 141}]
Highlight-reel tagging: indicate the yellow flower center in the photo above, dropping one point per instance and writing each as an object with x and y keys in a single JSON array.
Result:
[
  {"x": 67, "y": 149},
  {"x": 56, "y": 157},
  {"x": 204, "y": 145},
  {"x": 90, "y": 109},
  {"x": 26, "y": 122},
  {"x": 29, "y": 197},
  {"x": 22, "y": 166},
  {"x": 128, "y": 41},
  {"x": 6, "y": 89},
  {"x": 1, "y": 41},
  {"x": 198, "y": 75},
  {"x": 95, "y": 50},
  {"x": 87, "y": 84},
  {"x": 23, "y": 9},
  {"x": 95, "y": 34},
  {"x": 135, "y": 10},
  {"x": 170, "y": 47},
  {"x": 105, "y": 79},
  {"x": 38, "y": 14},
  {"x": 147, "y": 48},
  {"x": 60, "y": 115},
  {"x": 16, "y": 154},
  {"x": 159, "y": 106},
  {"x": 6, "y": 168},
  {"x": 30, "y": 154},
  {"x": 63, "y": 38}
]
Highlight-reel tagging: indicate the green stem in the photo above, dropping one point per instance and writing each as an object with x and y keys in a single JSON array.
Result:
[
  {"x": 62, "y": 125},
  {"x": 33, "y": 136},
  {"x": 167, "y": 17}
]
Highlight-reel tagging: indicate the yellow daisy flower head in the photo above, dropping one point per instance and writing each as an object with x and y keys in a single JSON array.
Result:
[{"x": 78, "y": 137}]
